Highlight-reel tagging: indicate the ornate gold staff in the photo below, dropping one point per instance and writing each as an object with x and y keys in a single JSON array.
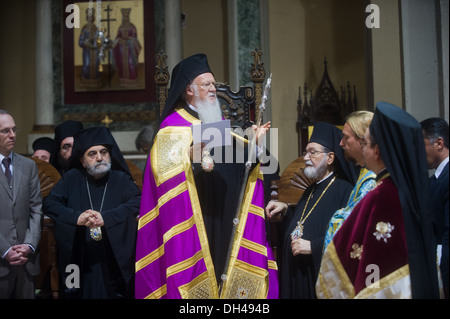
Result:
[{"x": 248, "y": 166}]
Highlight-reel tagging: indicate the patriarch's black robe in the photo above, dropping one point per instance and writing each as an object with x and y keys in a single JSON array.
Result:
[
  {"x": 298, "y": 274},
  {"x": 106, "y": 266},
  {"x": 218, "y": 193}
]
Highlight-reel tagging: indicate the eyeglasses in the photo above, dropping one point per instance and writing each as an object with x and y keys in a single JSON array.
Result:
[
  {"x": 207, "y": 85},
  {"x": 6, "y": 131},
  {"x": 312, "y": 153},
  {"x": 93, "y": 154}
]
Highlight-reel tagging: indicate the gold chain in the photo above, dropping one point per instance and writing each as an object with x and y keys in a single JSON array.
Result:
[{"x": 302, "y": 220}]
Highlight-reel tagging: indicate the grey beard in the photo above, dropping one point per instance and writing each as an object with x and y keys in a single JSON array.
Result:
[
  {"x": 208, "y": 112},
  {"x": 316, "y": 173},
  {"x": 98, "y": 172}
]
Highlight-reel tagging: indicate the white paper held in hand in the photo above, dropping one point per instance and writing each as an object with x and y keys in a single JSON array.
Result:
[{"x": 215, "y": 134}]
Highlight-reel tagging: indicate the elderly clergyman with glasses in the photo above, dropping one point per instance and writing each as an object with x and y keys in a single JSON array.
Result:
[
  {"x": 187, "y": 210},
  {"x": 304, "y": 227}
]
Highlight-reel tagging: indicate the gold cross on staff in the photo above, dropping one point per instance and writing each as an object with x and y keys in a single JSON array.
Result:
[{"x": 107, "y": 121}]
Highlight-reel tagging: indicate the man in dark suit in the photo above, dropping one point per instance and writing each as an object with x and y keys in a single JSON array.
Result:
[
  {"x": 435, "y": 131},
  {"x": 20, "y": 216}
]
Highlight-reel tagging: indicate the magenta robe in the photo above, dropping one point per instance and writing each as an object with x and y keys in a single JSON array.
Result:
[{"x": 172, "y": 254}]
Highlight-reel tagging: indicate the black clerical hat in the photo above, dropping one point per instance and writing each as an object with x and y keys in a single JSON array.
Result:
[
  {"x": 66, "y": 129},
  {"x": 330, "y": 136},
  {"x": 92, "y": 136},
  {"x": 400, "y": 140},
  {"x": 183, "y": 74},
  {"x": 45, "y": 143}
]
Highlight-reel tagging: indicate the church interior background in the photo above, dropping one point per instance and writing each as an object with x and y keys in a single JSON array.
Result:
[{"x": 397, "y": 52}]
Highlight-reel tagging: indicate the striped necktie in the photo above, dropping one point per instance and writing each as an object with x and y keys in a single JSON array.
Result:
[{"x": 7, "y": 161}]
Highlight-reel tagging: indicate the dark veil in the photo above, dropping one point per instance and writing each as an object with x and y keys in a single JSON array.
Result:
[
  {"x": 400, "y": 139},
  {"x": 92, "y": 136}
]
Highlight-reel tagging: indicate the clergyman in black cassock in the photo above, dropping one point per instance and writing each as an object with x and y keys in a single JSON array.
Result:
[
  {"x": 309, "y": 219},
  {"x": 106, "y": 265}
]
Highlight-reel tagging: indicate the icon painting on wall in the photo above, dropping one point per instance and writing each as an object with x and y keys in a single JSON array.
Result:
[{"x": 109, "y": 47}]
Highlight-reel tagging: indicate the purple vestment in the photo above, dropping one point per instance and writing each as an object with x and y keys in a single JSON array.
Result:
[{"x": 172, "y": 255}]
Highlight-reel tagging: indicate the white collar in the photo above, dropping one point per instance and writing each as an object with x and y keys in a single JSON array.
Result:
[
  {"x": 440, "y": 168},
  {"x": 193, "y": 108},
  {"x": 2, "y": 157},
  {"x": 324, "y": 178}
]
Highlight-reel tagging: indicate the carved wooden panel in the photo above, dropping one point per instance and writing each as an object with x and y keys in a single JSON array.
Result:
[
  {"x": 239, "y": 106},
  {"x": 136, "y": 173},
  {"x": 48, "y": 176},
  {"x": 292, "y": 183},
  {"x": 326, "y": 105}
]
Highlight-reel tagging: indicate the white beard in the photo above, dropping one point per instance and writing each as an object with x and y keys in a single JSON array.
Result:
[
  {"x": 98, "y": 170},
  {"x": 316, "y": 173},
  {"x": 208, "y": 111}
]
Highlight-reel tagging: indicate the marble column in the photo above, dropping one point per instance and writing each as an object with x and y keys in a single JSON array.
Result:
[
  {"x": 174, "y": 41},
  {"x": 444, "y": 48},
  {"x": 421, "y": 69},
  {"x": 44, "y": 69},
  {"x": 386, "y": 56},
  {"x": 233, "y": 45},
  {"x": 43, "y": 123}
]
